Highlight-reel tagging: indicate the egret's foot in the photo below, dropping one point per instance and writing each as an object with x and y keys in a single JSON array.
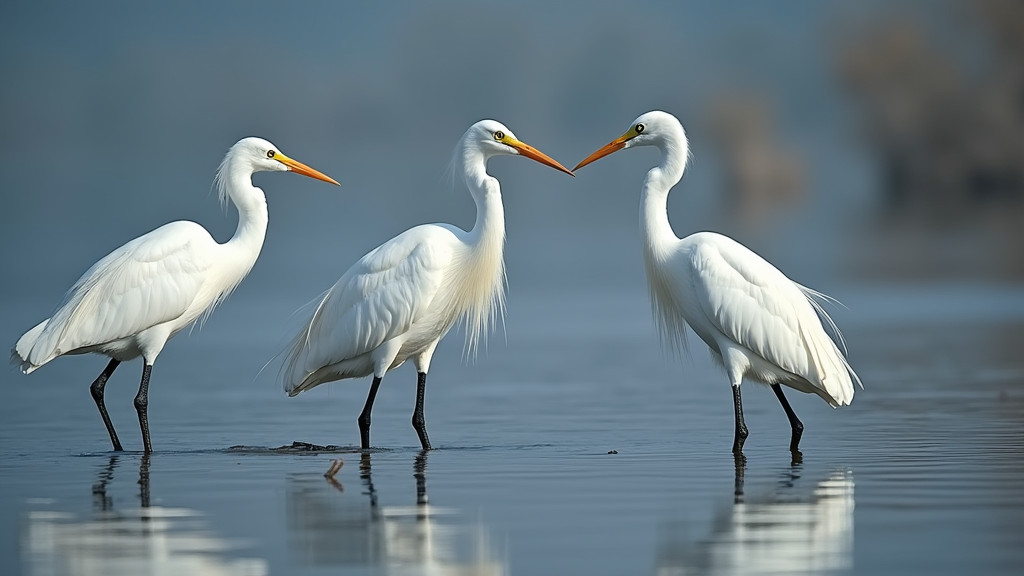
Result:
[
  {"x": 739, "y": 439},
  {"x": 794, "y": 442}
]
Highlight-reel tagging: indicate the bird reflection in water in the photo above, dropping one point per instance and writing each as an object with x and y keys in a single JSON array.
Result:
[
  {"x": 151, "y": 540},
  {"x": 331, "y": 526},
  {"x": 786, "y": 531}
]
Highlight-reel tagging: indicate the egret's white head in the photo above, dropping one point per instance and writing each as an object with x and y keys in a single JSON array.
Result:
[
  {"x": 250, "y": 155},
  {"x": 491, "y": 138},
  {"x": 655, "y": 128},
  {"x": 259, "y": 155}
]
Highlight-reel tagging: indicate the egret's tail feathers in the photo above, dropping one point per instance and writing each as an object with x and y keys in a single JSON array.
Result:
[
  {"x": 296, "y": 388},
  {"x": 294, "y": 376},
  {"x": 813, "y": 296},
  {"x": 24, "y": 366},
  {"x": 301, "y": 380},
  {"x": 835, "y": 375},
  {"x": 828, "y": 353},
  {"x": 24, "y": 354},
  {"x": 294, "y": 383}
]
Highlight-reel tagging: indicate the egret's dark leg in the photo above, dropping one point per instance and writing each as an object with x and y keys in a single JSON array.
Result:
[
  {"x": 794, "y": 422},
  {"x": 97, "y": 394},
  {"x": 142, "y": 405},
  {"x": 364, "y": 416},
  {"x": 741, "y": 426},
  {"x": 418, "y": 421}
]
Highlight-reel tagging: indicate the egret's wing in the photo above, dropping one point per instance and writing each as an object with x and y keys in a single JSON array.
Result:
[
  {"x": 378, "y": 298},
  {"x": 148, "y": 281},
  {"x": 753, "y": 304}
]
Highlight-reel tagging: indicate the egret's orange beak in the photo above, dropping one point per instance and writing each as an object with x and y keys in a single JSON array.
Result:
[
  {"x": 300, "y": 168},
  {"x": 613, "y": 146},
  {"x": 534, "y": 154}
]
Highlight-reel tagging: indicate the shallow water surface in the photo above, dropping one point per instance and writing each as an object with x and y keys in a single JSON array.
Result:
[{"x": 577, "y": 447}]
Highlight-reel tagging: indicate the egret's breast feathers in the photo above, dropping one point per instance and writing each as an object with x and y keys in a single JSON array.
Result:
[{"x": 666, "y": 305}]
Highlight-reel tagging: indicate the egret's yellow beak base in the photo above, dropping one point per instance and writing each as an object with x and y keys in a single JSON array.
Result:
[{"x": 300, "y": 168}]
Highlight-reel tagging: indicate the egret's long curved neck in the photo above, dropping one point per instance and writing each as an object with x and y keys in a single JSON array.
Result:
[
  {"x": 489, "y": 229},
  {"x": 480, "y": 272},
  {"x": 234, "y": 181},
  {"x": 654, "y": 225}
]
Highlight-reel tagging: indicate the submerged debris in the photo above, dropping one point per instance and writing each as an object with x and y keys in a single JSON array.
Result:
[
  {"x": 336, "y": 465},
  {"x": 293, "y": 448},
  {"x": 308, "y": 447}
]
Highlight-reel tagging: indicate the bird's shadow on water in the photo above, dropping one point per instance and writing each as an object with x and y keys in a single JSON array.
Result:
[
  {"x": 117, "y": 538},
  {"x": 782, "y": 527},
  {"x": 329, "y": 525}
]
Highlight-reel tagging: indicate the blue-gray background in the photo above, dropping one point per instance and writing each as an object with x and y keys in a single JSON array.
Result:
[{"x": 113, "y": 118}]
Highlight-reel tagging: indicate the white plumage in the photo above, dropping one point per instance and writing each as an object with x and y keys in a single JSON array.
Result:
[
  {"x": 740, "y": 304},
  {"x": 399, "y": 300},
  {"x": 404, "y": 293},
  {"x": 757, "y": 323},
  {"x": 133, "y": 300}
]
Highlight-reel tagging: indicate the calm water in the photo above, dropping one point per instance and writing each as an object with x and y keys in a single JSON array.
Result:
[{"x": 923, "y": 474}]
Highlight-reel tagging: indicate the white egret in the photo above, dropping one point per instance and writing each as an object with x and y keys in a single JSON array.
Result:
[
  {"x": 758, "y": 323},
  {"x": 134, "y": 299},
  {"x": 399, "y": 300}
]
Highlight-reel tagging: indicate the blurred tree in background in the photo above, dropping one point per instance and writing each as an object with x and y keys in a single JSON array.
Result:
[{"x": 944, "y": 117}]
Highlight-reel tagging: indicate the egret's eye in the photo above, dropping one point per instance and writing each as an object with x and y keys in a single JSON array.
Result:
[
  {"x": 639, "y": 128},
  {"x": 499, "y": 135},
  {"x": 270, "y": 153}
]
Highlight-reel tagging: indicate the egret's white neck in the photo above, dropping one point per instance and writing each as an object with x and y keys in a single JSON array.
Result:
[
  {"x": 480, "y": 271},
  {"x": 234, "y": 181},
  {"x": 654, "y": 225},
  {"x": 488, "y": 233}
]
